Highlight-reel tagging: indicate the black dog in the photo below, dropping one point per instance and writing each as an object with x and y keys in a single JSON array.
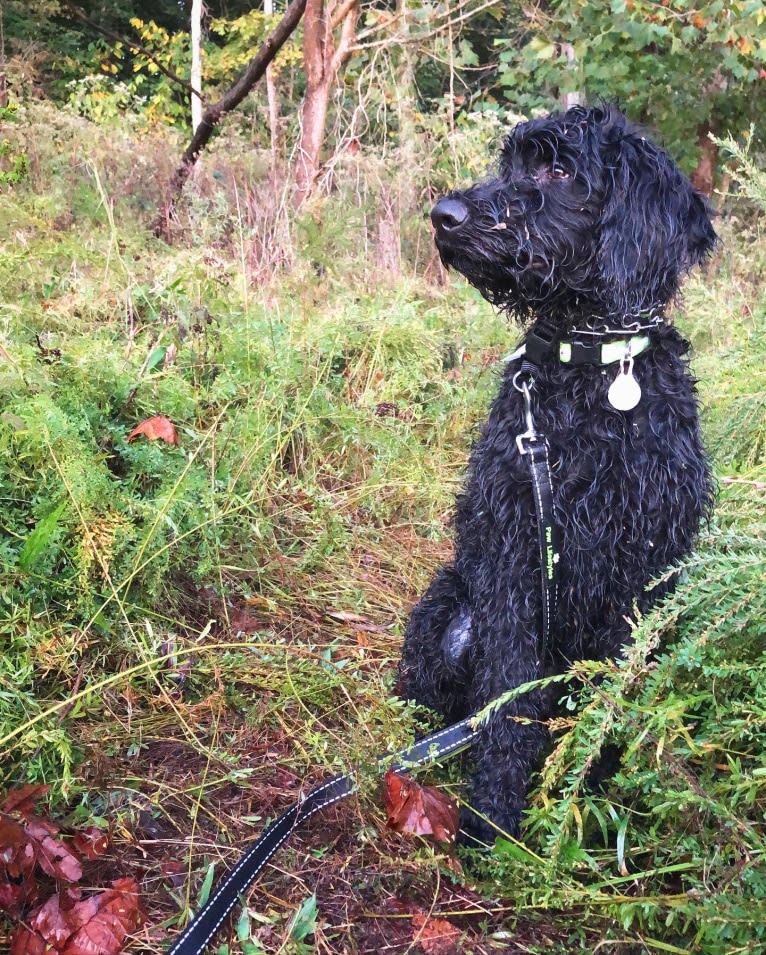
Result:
[{"x": 585, "y": 233}]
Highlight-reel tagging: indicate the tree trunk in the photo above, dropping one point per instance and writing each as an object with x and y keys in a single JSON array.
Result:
[
  {"x": 313, "y": 121},
  {"x": 196, "y": 66},
  {"x": 573, "y": 97},
  {"x": 703, "y": 176},
  {"x": 323, "y": 59},
  {"x": 271, "y": 96},
  {"x": 3, "y": 80}
]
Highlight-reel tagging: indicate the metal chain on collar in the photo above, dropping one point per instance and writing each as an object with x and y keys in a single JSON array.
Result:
[{"x": 655, "y": 318}]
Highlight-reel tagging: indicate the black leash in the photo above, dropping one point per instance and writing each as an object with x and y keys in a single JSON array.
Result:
[
  {"x": 197, "y": 935},
  {"x": 532, "y": 446}
]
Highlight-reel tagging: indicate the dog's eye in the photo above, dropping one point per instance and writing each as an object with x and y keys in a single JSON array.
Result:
[{"x": 558, "y": 172}]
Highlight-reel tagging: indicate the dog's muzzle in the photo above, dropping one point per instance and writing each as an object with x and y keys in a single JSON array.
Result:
[{"x": 449, "y": 216}]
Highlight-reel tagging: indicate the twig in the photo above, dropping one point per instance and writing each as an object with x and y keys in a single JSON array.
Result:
[{"x": 758, "y": 485}]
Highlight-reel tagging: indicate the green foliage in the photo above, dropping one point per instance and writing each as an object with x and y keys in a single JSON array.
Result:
[
  {"x": 682, "y": 66},
  {"x": 736, "y": 405},
  {"x": 460, "y": 154},
  {"x": 103, "y": 99},
  {"x": 306, "y": 425},
  {"x": 304, "y": 922},
  {"x": 14, "y": 164},
  {"x": 674, "y": 848},
  {"x": 204, "y": 596},
  {"x": 240, "y": 38}
]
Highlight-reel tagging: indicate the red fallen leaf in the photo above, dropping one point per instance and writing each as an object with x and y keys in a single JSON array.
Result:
[
  {"x": 436, "y": 936},
  {"x": 22, "y": 801},
  {"x": 12, "y": 836},
  {"x": 51, "y": 923},
  {"x": 14, "y": 898},
  {"x": 420, "y": 810},
  {"x": 105, "y": 920},
  {"x": 18, "y": 888},
  {"x": 91, "y": 842},
  {"x": 51, "y": 854},
  {"x": 24, "y": 942},
  {"x": 158, "y": 427}
]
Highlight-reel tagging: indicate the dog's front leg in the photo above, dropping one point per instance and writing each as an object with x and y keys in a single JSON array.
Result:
[
  {"x": 507, "y": 753},
  {"x": 508, "y": 654},
  {"x": 434, "y": 665}
]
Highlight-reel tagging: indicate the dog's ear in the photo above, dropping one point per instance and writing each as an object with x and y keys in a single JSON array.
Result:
[{"x": 654, "y": 225}]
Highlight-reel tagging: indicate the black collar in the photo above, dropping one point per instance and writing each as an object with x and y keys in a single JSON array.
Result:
[{"x": 589, "y": 344}]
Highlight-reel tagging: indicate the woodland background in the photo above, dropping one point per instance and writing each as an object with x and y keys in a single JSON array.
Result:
[{"x": 236, "y": 401}]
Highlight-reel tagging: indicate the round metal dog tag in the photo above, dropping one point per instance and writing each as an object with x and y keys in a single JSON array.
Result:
[{"x": 624, "y": 392}]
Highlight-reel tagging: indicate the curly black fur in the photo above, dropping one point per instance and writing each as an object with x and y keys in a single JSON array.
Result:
[{"x": 588, "y": 223}]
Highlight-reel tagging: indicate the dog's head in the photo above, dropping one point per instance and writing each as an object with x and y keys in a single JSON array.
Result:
[{"x": 586, "y": 214}]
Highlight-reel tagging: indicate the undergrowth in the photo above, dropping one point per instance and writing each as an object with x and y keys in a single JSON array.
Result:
[{"x": 181, "y": 622}]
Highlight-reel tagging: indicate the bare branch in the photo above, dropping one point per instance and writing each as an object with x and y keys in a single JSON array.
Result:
[
  {"x": 350, "y": 10},
  {"x": 463, "y": 8},
  {"x": 341, "y": 14},
  {"x": 232, "y": 98}
]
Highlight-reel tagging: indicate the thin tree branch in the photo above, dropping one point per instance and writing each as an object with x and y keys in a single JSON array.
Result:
[
  {"x": 350, "y": 11},
  {"x": 135, "y": 47},
  {"x": 340, "y": 14},
  {"x": 468, "y": 11},
  {"x": 231, "y": 99}
]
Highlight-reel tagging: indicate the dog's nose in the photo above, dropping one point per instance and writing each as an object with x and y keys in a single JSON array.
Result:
[{"x": 448, "y": 215}]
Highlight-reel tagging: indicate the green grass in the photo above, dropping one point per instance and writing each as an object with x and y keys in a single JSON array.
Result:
[{"x": 190, "y": 631}]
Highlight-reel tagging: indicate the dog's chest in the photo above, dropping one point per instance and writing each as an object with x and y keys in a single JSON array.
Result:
[{"x": 616, "y": 476}]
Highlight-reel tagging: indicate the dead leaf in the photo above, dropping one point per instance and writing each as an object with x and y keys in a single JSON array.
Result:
[
  {"x": 157, "y": 428},
  {"x": 24, "y": 942},
  {"x": 346, "y": 616},
  {"x": 244, "y": 622},
  {"x": 105, "y": 920},
  {"x": 64, "y": 924},
  {"x": 18, "y": 888},
  {"x": 419, "y": 810},
  {"x": 51, "y": 854},
  {"x": 436, "y": 936},
  {"x": 51, "y": 923},
  {"x": 91, "y": 842},
  {"x": 21, "y": 801}
]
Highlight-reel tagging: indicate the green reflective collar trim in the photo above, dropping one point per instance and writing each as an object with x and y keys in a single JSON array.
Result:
[{"x": 610, "y": 351}]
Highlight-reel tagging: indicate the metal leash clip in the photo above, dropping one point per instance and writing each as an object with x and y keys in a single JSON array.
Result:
[{"x": 523, "y": 385}]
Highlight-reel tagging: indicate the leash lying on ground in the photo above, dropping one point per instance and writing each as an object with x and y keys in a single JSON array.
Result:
[
  {"x": 533, "y": 447},
  {"x": 198, "y": 934}
]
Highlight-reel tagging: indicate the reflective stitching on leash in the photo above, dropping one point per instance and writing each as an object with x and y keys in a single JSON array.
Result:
[
  {"x": 543, "y": 571},
  {"x": 259, "y": 868}
]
